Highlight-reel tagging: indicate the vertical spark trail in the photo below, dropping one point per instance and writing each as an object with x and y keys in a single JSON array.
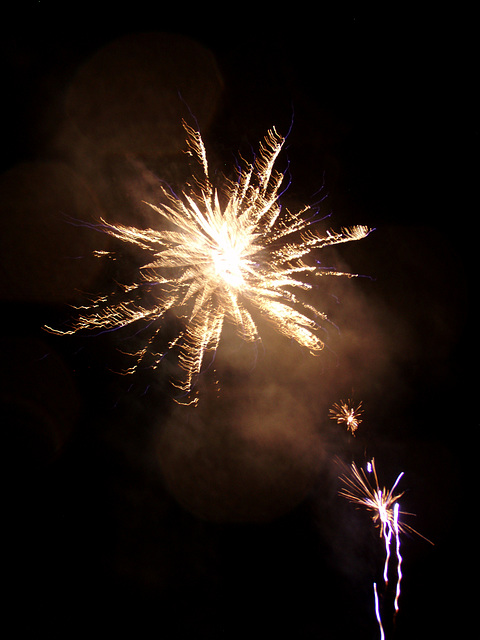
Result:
[
  {"x": 399, "y": 556},
  {"x": 388, "y": 513},
  {"x": 377, "y": 611},
  {"x": 385, "y": 512},
  {"x": 388, "y": 539}
]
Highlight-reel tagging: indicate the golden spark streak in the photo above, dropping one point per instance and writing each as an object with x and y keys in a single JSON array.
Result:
[{"x": 210, "y": 262}]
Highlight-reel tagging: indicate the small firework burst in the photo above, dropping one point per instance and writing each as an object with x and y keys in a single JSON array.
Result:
[
  {"x": 380, "y": 502},
  {"x": 344, "y": 412}
]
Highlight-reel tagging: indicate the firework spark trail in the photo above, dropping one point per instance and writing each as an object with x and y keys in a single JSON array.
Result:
[
  {"x": 384, "y": 507},
  {"x": 377, "y": 611},
  {"x": 218, "y": 256},
  {"x": 385, "y": 511},
  {"x": 399, "y": 556}
]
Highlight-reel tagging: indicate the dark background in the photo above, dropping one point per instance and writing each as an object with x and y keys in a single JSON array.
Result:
[{"x": 124, "y": 514}]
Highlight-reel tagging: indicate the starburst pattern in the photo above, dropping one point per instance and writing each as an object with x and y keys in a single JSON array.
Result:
[
  {"x": 378, "y": 501},
  {"x": 344, "y": 412},
  {"x": 216, "y": 256}
]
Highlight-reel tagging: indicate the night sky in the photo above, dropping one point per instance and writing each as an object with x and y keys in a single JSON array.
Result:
[{"x": 127, "y": 513}]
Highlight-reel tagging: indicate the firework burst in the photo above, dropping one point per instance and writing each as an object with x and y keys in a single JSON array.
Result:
[
  {"x": 385, "y": 511},
  {"x": 379, "y": 502},
  {"x": 218, "y": 256},
  {"x": 344, "y": 412}
]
